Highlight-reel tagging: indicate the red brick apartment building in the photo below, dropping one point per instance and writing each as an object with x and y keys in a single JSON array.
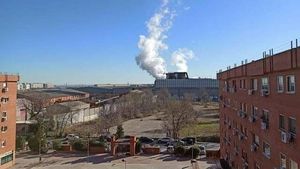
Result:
[
  {"x": 8, "y": 96},
  {"x": 260, "y": 113}
]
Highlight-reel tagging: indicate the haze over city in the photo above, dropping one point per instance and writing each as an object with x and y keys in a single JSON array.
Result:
[{"x": 76, "y": 42}]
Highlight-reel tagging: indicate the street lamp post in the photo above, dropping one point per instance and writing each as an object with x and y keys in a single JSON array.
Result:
[{"x": 124, "y": 162}]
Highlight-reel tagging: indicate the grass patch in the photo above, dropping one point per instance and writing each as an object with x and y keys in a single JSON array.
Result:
[{"x": 201, "y": 129}]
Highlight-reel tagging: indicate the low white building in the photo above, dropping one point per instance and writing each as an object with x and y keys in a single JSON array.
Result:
[
  {"x": 68, "y": 113},
  {"x": 37, "y": 85}
]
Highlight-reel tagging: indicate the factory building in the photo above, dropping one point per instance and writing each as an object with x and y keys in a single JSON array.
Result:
[
  {"x": 259, "y": 112},
  {"x": 180, "y": 85}
]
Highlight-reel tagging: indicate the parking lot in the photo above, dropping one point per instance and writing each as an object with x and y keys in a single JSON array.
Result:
[{"x": 105, "y": 161}]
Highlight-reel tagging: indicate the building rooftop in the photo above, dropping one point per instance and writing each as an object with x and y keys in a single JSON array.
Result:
[{"x": 50, "y": 93}]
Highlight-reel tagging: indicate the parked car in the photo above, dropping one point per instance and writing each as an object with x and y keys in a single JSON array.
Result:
[
  {"x": 165, "y": 141},
  {"x": 146, "y": 140},
  {"x": 72, "y": 137},
  {"x": 177, "y": 143},
  {"x": 189, "y": 140},
  {"x": 202, "y": 149},
  {"x": 170, "y": 149}
]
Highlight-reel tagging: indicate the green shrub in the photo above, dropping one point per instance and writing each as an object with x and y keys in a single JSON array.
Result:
[
  {"x": 97, "y": 143},
  {"x": 20, "y": 142},
  {"x": 78, "y": 145},
  {"x": 214, "y": 139},
  {"x": 195, "y": 151},
  {"x": 34, "y": 144},
  {"x": 138, "y": 147},
  {"x": 120, "y": 132},
  {"x": 179, "y": 150},
  {"x": 56, "y": 145}
]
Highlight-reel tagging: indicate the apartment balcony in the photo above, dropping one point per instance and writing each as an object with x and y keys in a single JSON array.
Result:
[
  {"x": 254, "y": 147},
  {"x": 264, "y": 125},
  {"x": 252, "y": 119},
  {"x": 241, "y": 114}
]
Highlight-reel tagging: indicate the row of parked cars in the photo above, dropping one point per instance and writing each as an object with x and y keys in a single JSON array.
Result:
[
  {"x": 167, "y": 142},
  {"x": 170, "y": 143}
]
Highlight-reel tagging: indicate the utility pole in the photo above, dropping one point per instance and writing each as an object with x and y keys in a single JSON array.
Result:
[{"x": 40, "y": 154}]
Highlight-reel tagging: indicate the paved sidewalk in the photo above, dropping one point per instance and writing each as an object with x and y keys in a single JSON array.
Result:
[{"x": 105, "y": 161}]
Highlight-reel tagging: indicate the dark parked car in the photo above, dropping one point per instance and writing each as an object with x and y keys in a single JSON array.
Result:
[
  {"x": 165, "y": 141},
  {"x": 146, "y": 140},
  {"x": 189, "y": 140}
]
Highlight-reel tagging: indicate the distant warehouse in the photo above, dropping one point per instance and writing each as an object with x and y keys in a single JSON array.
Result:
[{"x": 180, "y": 85}]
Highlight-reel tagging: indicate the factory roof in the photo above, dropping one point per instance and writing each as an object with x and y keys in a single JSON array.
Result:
[{"x": 75, "y": 105}]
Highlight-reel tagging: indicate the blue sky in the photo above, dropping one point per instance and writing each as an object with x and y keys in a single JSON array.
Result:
[{"x": 95, "y": 41}]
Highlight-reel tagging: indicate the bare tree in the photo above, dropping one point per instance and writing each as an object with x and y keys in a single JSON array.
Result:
[
  {"x": 63, "y": 116},
  {"x": 178, "y": 114}
]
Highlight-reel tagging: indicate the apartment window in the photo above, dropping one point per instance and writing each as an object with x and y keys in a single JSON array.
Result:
[
  {"x": 3, "y": 143},
  {"x": 3, "y": 129},
  {"x": 243, "y": 107},
  {"x": 257, "y": 166},
  {"x": 293, "y": 165},
  {"x": 253, "y": 84},
  {"x": 292, "y": 125},
  {"x": 4, "y": 99},
  {"x": 280, "y": 84},
  {"x": 290, "y": 83},
  {"x": 254, "y": 111},
  {"x": 241, "y": 84},
  {"x": 265, "y": 83},
  {"x": 265, "y": 117},
  {"x": 256, "y": 139},
  {"x": 267, "y": 150},
  {"x": 282, "y": 161},
  {"x": 281, "y": 122},
  {"x": 3, "y": 116}
]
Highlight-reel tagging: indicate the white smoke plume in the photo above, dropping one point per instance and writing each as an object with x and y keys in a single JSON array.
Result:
[
  {"x": 180, "y": 58},
  {"x": 150, "y": 46}
]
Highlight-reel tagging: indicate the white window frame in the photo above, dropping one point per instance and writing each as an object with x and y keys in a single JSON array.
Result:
[
  {"x": 4, "y": 100},
  {"x": 282, "y": 165},
  {"x": 280, "y": 85},
  {"x": 256, "y": 139},
  {"x": 293, "y": 162},
  {"x": 284, "y": 125},
  {"x": 287, "y": 84},
  {"x": 2, "y": 129},
  {"x": 3, "y": 118},
  {"x": 267, "y": 85},
  {"x": 254, "y": 84},
  {"x": 266, "y": 153},
  {"x": 289, "y": 125}
]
